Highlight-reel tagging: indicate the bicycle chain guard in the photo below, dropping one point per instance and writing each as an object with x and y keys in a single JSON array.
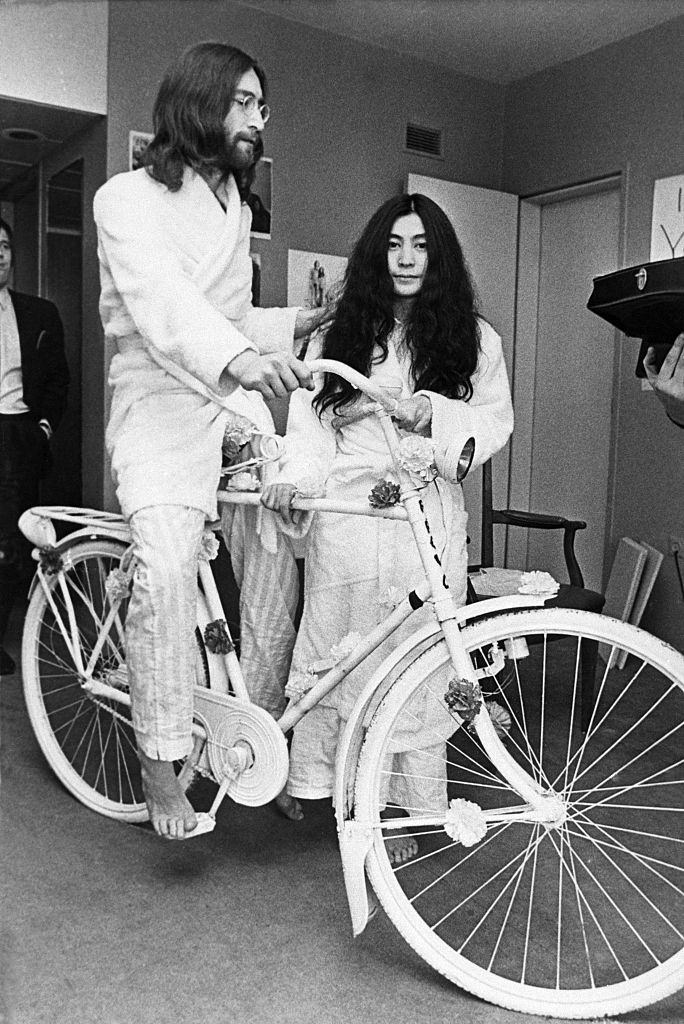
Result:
[{"x": 229, "y": 721}]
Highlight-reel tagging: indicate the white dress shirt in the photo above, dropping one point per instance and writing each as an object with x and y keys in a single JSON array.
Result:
[{"x": 11, "y": 383}]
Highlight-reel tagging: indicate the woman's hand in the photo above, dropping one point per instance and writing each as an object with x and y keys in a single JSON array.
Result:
[
  {"x": 414, "y": 414},
  {"x": 668, "y": 383},
  {"x": 278, "y": 497}
]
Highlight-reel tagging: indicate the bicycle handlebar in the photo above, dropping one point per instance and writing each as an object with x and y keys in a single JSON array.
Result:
[{"x": 356, "y": 379}]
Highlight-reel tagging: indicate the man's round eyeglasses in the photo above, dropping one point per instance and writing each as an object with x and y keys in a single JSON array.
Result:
[{"x": 250, "y": 104}]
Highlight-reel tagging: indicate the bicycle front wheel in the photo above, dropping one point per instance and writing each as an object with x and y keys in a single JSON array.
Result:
[
  {"x": 87, "y": 739},
  {"x": 578, "y": 916}
]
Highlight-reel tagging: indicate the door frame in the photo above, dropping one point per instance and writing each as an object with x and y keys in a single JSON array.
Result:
[{"x": 525, "y": 352}]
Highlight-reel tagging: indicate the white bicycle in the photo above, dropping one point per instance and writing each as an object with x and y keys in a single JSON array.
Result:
[{"x": 550, "y": 881}]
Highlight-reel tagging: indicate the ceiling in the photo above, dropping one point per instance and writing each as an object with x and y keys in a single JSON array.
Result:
[{"x": 498, "y": 40}]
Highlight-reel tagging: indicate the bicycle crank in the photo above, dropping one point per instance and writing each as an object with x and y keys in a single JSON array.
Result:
[{"x": 245, "y": 748}]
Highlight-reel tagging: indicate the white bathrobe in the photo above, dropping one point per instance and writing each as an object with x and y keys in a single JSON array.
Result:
[
  {"x": 357, "y": 569},
  {"x": 176, "y": 299}
]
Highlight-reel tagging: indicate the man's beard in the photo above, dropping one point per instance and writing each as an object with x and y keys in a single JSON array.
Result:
[{"x": 236, "y": 158}]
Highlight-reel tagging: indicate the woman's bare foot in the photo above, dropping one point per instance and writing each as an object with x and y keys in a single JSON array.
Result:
[
  {"x": 171, "y": 813},
  {"x": 399, "y": 844},
  {"x": 289, "y": 806}
]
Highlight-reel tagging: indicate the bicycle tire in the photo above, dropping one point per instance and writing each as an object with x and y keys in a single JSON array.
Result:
[
  {"x": 520, "y": 918},
  {"x": 87, "y": 740}
]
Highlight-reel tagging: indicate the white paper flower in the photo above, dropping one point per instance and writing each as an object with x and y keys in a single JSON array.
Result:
[
  {"x": 116, "y": 585},
  {"x": 538, "y": 583},
  {"x": 209, "y": 546},
  {"x": 243, "y": 482},
  {"x": 298, "y": 684},
  {"x": 239, "y": 430},
  {"x": 345, "y": 646},
  {"x": 417, "y": 456},
  {"x": 311, "y": 486},
  {"x": 465, "y": 822}
]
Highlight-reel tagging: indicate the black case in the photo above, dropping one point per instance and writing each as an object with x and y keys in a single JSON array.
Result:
[{"x": 646, "y": 301}]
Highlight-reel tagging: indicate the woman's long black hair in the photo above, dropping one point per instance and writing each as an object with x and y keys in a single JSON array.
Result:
[
  {"x": 193, "y": 100},
  {"x": 442, "y": 333}
]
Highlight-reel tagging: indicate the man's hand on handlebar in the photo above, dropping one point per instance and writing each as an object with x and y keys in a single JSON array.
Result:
[
  {"x": 278, "y": 497},
  {"x": 273, "y": 376}
]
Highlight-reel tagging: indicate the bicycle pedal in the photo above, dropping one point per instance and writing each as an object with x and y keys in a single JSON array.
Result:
[{"x": 205, "y": 823}]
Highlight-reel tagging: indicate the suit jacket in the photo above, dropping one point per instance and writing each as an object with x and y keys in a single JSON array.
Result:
[{"x": 43, "y": 363}]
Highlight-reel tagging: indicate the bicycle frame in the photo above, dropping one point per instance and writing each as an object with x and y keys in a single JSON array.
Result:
[{"x": 225, "y": 673}]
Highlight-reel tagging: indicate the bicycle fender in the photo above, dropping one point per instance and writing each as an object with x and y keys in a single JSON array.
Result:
[
  {"x": 83, "y": 534},
  {"x": 355, "y": 841}
]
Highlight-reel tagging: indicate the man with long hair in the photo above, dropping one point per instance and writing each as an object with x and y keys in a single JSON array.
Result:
[{"x": 176, "y": 282}]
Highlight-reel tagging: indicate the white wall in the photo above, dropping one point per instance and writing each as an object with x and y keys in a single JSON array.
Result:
[{"x": 55, "y": 52}]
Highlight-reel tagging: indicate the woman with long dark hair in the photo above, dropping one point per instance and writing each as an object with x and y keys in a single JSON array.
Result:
[{"x": 407, "y": 318}]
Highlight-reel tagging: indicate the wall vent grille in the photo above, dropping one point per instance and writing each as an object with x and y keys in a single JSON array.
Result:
[{"x": 427, "y": 141}]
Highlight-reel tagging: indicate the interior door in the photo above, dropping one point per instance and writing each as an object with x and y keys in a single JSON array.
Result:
[
  {"x": 486, "y": 223},
  {"x": 564, "y": 376}
]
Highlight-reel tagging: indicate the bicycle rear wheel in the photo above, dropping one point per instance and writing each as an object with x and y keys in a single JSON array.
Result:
[
  {"x": 87, "y": 739},
  {"x": 579, "y": 917}
]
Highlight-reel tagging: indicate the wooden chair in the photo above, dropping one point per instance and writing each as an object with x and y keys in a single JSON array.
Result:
[{"x": 572, "y": 594}]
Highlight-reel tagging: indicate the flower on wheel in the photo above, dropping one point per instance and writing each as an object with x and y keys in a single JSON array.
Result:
[
  {"x": 464, "y": 697},
  {"x": 538, "y": 583},
  {"x": 465, "y": 822},
  {"x": 217, "y": 638}
]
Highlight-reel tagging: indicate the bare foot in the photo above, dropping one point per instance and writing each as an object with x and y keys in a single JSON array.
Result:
[
  {"x": 171, "y": 813},
  {"x": 289, "y": 806},
  {"x": 399, "y": 844}
]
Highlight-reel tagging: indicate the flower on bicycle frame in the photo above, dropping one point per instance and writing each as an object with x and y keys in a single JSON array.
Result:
[
  {"x": 417, "y": 456},
  {"x": 217, "y": 638},
  {"x": 51, "y": 562},
  {"x": 117, "y": 585},
  {"x": 239, "y": 431},
  {"x": 243, "y": 482},
  {"x": 209, "y": 546},
  {"x": 299, "y": 683},
  {"x": 465, "y": 822},
  {"x": 464, "y": 697},
  {"x": 384, "y": 494}
]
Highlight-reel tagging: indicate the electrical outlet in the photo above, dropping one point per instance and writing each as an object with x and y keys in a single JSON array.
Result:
[{"x": 676, "y": 545}]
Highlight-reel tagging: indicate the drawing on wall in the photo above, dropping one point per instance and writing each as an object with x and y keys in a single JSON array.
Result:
[
  {"x": 260, "y": 199},
  {"x": 137, "y": 144},
  {"x": 667, "y": 222},
  {"x": 313, "y": 277}
]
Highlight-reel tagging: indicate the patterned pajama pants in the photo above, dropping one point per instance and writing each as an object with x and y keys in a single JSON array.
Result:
[
  {"x": 269, "y": 592},
  {"x": 160, "y": 628},
  {"x": 161, "y": 650}
]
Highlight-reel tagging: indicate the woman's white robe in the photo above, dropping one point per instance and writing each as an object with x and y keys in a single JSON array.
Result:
[
  {"x": 356, "y": 568},
  {"x": 176, "y": 300}
]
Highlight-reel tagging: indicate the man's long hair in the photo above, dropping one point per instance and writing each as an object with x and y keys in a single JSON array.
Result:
[
  {"x": 193, "y": 100},
  {"x": 442, "y": 333}
]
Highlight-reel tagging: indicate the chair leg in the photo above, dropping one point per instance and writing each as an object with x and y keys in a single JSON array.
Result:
[{"x": 588, "y": 659}]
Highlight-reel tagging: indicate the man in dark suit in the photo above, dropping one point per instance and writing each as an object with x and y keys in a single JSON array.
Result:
[{"x": 33, "y": 388}]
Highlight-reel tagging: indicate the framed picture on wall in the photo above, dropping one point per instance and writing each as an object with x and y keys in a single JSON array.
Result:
[
  {"x": 260, "y": 199},
  {"x": 137, "y": 144},
  {"x": 312, "y": 277}
]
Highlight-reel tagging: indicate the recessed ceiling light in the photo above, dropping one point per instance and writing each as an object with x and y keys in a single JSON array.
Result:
[{"x": 22, "y": 135}]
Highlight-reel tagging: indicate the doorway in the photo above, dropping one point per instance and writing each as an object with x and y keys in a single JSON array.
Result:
[{"x": 564, "y": 374}]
